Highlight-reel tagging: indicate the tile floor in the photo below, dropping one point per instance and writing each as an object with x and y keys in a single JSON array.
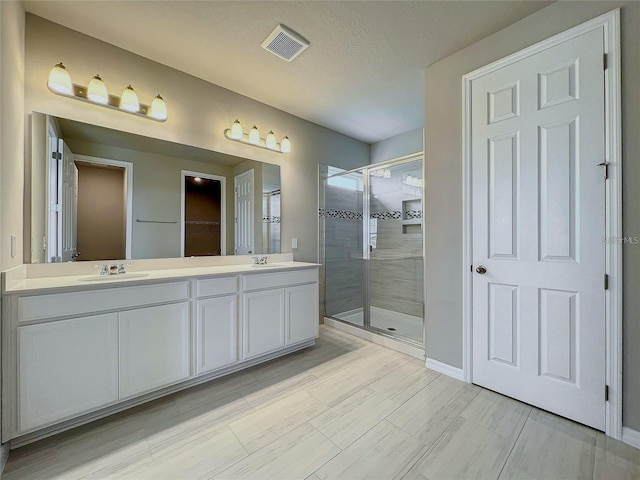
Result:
[{"x": 346, "y": 409}]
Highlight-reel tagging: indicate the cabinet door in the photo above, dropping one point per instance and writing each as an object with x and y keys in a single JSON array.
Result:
[
  {"x": 217, "y": 333},
  {"x": 263, "y": 322},
  {"x": 302, "y": 313},
  {"x": 154, "y": 348},
  {"x": 66, "y": 368}
]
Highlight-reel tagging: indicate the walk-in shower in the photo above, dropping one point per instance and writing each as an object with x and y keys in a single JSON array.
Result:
[{"x": 371, "y": 246}]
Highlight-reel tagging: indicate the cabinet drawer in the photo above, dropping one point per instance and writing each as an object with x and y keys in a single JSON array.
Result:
[
  {"x": 216, "y": 286},
  {"x": 279, "y": 279},
  {"x": 73, "y": 303}
]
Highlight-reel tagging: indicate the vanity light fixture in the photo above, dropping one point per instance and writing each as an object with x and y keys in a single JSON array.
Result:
[
  {"x": 270, "y": 141},
  {"x": 236, "y": 130},
  {"x": 236, "y": 133},
  {"x": 254, "y": 136},
  {"x": 129, "y": 100},
  {"x": 96, "y": 92},
  {"x": 158, "y": 108},
  {"x": 60, "y": 80},
  {"x": 285, "y": 145}
]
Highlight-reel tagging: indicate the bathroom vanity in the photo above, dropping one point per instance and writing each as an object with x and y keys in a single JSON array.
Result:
[{"x": 80, "y": 346}]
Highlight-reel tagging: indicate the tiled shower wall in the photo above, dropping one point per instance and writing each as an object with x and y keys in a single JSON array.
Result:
[
  {"x": 396, "y": 266},
  {"x": 397, "y": 269},
  {"x": 344, "y": 266}
]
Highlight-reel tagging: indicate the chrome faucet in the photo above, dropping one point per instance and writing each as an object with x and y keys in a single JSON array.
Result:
[
  {"x": 113, "y": 269},
  {"x": 260, "y": 260},
  {"x": 256, "y": 261}
]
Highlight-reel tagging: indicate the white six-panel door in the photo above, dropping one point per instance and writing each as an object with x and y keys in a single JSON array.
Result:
[
  {"x": 538, "y": 227},
  {"x": 244, "y": 206}
]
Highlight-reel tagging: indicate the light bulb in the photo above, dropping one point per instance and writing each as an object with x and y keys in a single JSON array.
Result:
[
  {"x": 236, "y": 130},
  {"x": 254, "y": 135},
  {"x": 285, "y": 145},
  {"x": 129, "y": 100},
  {"x": 97, "y": 90},
  {"x": 158, "y": 108},
  {"x": 60, "y": 80},
  {"x": 270, "y": 141}
]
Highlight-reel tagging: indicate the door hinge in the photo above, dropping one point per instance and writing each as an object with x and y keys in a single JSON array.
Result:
[
  {"x": 606, "y": 281},
  {"x": 604, "y": 61},
  {"x": 56, "y": 155},
  {"x": 606, "y": 169},
  {"x": 606, "y": 393}
]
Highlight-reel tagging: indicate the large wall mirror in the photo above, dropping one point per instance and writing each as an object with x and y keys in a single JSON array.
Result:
[{"x": 102, "y": 194}]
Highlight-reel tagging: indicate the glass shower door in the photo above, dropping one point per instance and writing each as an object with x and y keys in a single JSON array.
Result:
[
  {"x": 343, "y": 245},
  {"x": 396, "y": 285}
]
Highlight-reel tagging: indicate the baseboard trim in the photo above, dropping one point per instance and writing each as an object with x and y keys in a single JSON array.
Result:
[
  {"x": 4, "y": 456},
  {"x": 631, "y": 437},
  {"x": 445, "y": 369},
  {"x": 388, "y": 342}
]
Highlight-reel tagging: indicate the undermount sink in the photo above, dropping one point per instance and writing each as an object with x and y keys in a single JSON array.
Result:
[
  {"x": 104, "y": 278},
  {"x": 267, "y": 265}
]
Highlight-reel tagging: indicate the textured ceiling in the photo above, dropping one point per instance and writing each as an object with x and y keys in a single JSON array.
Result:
[{"x": 362, "y": 74}]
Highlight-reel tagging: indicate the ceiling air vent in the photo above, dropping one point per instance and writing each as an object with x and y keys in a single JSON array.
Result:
[{"x": 285, "y": 43}]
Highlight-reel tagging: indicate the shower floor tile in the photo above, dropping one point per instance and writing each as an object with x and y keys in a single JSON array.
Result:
[{"x": 386, "y": 320}]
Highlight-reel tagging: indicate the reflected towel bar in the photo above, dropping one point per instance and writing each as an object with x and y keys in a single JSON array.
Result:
[{"x": 156, "y": 221}]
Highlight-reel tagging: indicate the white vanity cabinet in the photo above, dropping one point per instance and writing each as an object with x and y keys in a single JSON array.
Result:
[
  {"x": 74, "y": 354},
  {"x": 216, "y": 333},
  {"x": 216, "y": 323},
  {"x": 280, "y": 309},
  {"x": 154, "y": 348},
  {"x": 67, "y": 368},
  {"x": 263, "y": 318},
  {"x": 301, "y": 302}
]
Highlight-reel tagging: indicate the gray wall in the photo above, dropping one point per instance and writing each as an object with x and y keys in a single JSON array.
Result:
[
  {"x": 12, "y": 128},
  {"x": 443, "y": 140},
  {"x": 12, "y": 124},
  {"x": 156, "y": 195},
  {"x": 398, "y": 146},
  {"x": 199, "y": 112}
]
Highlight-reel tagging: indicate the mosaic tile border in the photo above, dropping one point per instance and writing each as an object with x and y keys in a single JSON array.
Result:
[{"x": 351, "y": 215}]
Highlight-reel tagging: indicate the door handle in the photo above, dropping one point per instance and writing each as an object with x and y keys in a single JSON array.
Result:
[{"x": 481, "y": 270}]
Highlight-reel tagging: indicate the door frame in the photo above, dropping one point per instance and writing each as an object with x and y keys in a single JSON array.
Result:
[
  {"x": 610, "y": 22},
  {"x": 128, "y": 180},
  {"x": 223, "y": 207}
]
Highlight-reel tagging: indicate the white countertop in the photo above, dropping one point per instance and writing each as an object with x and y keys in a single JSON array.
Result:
[{"x": 93, "y": 281}]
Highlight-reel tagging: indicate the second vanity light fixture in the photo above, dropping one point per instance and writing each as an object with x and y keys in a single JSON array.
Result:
[
  {"x": 96, "y": 92},
  {"x": 236, "y": 133}
]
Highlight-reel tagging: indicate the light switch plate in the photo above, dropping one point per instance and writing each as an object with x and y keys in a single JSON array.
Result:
[
  {"x": 294, "y": 243},
  {"x": 13, "y": 246}
]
